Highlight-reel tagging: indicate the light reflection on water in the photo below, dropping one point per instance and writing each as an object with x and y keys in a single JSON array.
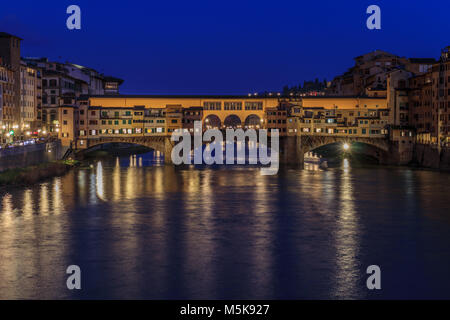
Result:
[{"x": 140, "y": 231}]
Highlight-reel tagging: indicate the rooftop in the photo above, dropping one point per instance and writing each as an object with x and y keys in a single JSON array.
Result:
[
  {"x": 155, "y": 96},
  {"x": 422, "y": 60},
  {"x": 7, "y": 35}
]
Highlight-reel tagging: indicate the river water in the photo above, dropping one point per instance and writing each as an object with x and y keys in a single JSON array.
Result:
[{"x": 140, "y": 229}]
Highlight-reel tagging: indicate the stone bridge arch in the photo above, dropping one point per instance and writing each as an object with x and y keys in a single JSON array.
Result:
[
  {"x": 380, "y": 146},
  {"x": 162, "y": 144},
  {"x": 212, "y": 121},
  {"x": 233, "y": 120},
  {"x": 253, "y": 121}
]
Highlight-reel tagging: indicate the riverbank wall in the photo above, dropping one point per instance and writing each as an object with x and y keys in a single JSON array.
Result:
[
  {"x": 429, "y": 156},
  {"x": 30, "y": 155}
]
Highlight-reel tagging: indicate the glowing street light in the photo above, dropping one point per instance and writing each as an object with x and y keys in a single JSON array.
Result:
[{"x": 346, "y": 146}]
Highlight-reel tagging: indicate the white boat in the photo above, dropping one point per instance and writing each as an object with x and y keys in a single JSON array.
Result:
[{"x": 313, "y": 158}]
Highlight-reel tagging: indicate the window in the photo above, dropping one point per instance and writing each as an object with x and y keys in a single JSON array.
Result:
[
  {"x": 249, "y": 105},
  {"x": 214, "y": 105},
  {"x": 232, "y": 106}
]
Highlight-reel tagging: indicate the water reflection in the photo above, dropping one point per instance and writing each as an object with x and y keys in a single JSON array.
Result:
[
  {"x": 140, "y": 229},
  {"x": 346, "y": 238}
]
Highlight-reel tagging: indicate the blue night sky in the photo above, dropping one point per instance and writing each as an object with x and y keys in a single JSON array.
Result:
[{"x": 227, "y": 47}]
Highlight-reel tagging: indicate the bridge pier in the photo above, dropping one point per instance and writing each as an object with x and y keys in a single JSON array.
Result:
[
  {"x": 168, "y": 146},
  {"x": 291, "y": 150}
]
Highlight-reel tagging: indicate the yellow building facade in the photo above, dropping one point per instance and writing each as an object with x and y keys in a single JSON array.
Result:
[
  {"x": 340, "y": 116},
  {"x": 128, "y": 116},
  {"x": 220, "y": 106}
]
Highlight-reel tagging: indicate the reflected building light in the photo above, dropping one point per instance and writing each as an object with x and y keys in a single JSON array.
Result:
[
  {"x": 347, "y": 237},
  {"x": 82, "y": 187},
  {"x": 346, "y": 165},
  {"x": 158, "y": 184},
  {"x": 99, "y": 182},
  {"x": 44, "y": 205},
  {"x": 58, "y": 207},
  {"x": 116, "y": 180},
  {"x": 264, "y": 230},
  {"x": 28, "y": 204},
  {"x": 130, "y": 184},
  {"x": 7, "y": 210}
]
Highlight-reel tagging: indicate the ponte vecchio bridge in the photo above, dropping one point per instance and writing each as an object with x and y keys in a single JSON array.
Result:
[{"x": 304, "y": 125}]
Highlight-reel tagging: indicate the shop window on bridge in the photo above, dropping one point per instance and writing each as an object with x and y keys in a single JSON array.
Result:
[
  {"x": 250, "y": 105},
  {"x": 116, "y": 122},
  {"x": 233, "y": 106},
  {"x": 363, "y": 131},
  {"x": 212, "y": 105}
]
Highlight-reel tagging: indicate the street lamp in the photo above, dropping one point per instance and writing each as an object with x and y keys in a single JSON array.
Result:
[{"x": 346, "y": 146}]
